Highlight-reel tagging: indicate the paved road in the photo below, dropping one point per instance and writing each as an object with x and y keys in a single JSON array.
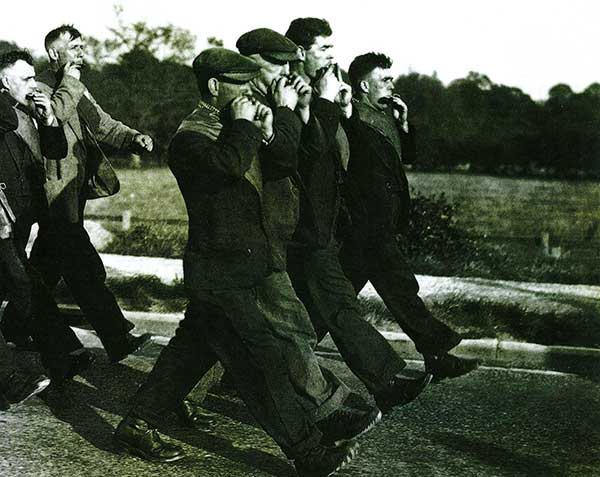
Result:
[{"x": 495, "y": 422}]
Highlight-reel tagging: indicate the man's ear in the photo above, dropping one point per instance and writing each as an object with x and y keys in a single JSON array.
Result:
[
  {"x": 52, "y": 54},
  {"x": 213, "y": 87},
  {"x": 301, "y": 53},
  {"x": 363, "y": 86},
  {"x": 4, "y": 83}
]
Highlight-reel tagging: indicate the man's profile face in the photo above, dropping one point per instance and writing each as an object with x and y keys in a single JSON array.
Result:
[
  {"x": 381, "y": 85},
  {"x": 19, "y": 81},
  {"x": 319, "y": 55},
  {"x": 68, "y": 50},
  {"x": 269, "y": 72}
]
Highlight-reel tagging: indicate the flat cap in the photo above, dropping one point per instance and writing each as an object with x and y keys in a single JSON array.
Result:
[
  {"x": 269, "y": 44},
  {"x": 224, "y": 63}
]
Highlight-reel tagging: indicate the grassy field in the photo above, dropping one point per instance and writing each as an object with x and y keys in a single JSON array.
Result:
[
  {"x": 147, "y": 193},
  {"x": 487, "y": 206},
  {"x": 504, "y": 207}
]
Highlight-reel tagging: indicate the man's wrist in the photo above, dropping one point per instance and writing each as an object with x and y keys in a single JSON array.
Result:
[
  {"x": 47, "y": 121},
  {"x": 268, "y": 138},
  {"x": 304, "y": 113},
  {"x": 285, "y": 104}
]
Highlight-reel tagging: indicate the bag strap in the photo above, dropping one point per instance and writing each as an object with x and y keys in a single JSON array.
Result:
[
  {"x": 6, "y": 206},
  {"x": 92, "y": 136}
]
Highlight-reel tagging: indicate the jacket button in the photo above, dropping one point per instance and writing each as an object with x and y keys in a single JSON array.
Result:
[
  {"x": 249, "y": 251},
  {"x": 388, "y": 185}
]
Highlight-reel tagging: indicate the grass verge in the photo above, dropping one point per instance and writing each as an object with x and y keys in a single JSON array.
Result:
[{"x": 471, "y": 316}]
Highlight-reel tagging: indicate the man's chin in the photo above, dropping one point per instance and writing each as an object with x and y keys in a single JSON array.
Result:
[
  {"x": 80, "y": 66},
  {"x": 27, "y": 105}
]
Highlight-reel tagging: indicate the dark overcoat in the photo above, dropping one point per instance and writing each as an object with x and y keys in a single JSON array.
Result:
[
  {"x": 22, "y": 169},
  {"x": 376, "y": 188},
  {"x": 229, "y": 244}
]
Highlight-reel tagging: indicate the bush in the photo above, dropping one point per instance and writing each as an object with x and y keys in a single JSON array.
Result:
[
  {"x": 433, "y": 243},
  {"x": 151, "y": 239}
]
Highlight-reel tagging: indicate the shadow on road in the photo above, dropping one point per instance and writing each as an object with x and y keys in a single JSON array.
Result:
[
  {"x": 493, "y": 455},
  {"x": 109, "y": 387}
]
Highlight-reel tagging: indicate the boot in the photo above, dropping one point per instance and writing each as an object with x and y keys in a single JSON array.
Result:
[{"x": 137, "y": 437}]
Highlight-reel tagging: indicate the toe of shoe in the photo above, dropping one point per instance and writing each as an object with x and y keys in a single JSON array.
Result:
[{"x": 459, "y": 368}]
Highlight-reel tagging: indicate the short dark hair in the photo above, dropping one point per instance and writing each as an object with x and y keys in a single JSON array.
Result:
[
  {"x": 202, "y": 78},
  {"x": 11, "y": 57},
  {"x": 53, "y": 35},
  {"x": 303, "y": 31},
  {"x": 362, "y": 65}
]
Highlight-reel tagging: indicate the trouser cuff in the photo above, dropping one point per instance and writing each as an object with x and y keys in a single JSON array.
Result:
[{"x": 333, "y": 402}]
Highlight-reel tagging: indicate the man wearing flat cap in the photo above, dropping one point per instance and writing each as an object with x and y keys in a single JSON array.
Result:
[
  {"x": 215, "y": 156},
  {"x": 275, "y": 87},
  {"x": 284, "y": 94}
]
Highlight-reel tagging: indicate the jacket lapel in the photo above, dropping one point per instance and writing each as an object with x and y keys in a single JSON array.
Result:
[{"x": 27, "y": 131}]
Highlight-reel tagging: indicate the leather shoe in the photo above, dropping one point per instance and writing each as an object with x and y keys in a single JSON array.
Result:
[
  {"x": 136, "y": 437},
  {"x": 18, "y": 387},
  {"x": 132, "y": 344},
  {"x": 321, "y": 461},
  {"x": 347, "y": 423},
  {"x": 70, "y": 367},
  {"x": 449, "y": 366},
  {"x": 80, "y": 363},
  {"x": 401, "y": 391},
  {"x": 192, "y": 415}
]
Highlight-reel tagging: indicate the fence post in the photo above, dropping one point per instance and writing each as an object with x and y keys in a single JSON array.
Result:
[
  {"x": 546, "y": 243},
  {"x": 126, "y": 220}
]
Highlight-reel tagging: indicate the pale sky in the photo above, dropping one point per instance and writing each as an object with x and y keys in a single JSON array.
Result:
[{"x": 530, "y": 44}]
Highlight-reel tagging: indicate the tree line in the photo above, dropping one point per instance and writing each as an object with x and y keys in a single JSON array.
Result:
[
  {"x": 141, "y": 74},
  {"x": 476, "y": 125}
]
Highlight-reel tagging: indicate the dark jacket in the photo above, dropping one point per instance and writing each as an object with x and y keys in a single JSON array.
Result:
[
  {"x": 281, "y": 196},
  {"x": 321, "y": 174},
  {"x": 21, "y": 170},
  {"x": 376, "y": 188},
  {"x": 228, "y": 244}
]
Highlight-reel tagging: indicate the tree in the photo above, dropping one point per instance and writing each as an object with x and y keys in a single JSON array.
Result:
[
  {"x": 7, "y": 46},
  {"x": 140, "y": 75},
  {"x": 143, "y": 91},
  {"x": 166, "y": 42},
  {"x": 427, "y": 102}
]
